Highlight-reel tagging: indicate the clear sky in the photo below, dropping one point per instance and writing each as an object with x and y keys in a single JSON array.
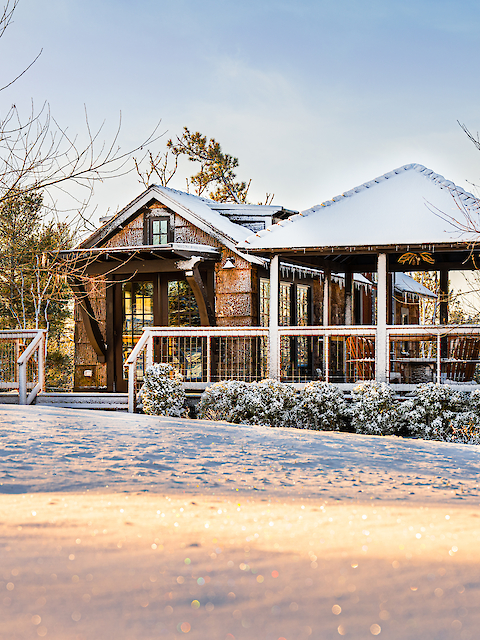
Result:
[{"x": 313, "y": 96}]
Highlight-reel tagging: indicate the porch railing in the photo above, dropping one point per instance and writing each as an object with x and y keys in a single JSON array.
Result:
[
  {"x": 201, "y": 354},
  {"x": 343, "y": 355},
  {"x": 22, "y": 362}
]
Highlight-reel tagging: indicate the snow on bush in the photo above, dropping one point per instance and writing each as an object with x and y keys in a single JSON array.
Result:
[
  {"x": 266, "y": 403},
  {"x": 162, "y": 393},
  {"x": 374, "y": 410},
  {"x": 221, "y": 401},
  {"x": 320, "y": 406},
  {"x": 464, "y": 428},
  {"x": 434, "y": 410}
]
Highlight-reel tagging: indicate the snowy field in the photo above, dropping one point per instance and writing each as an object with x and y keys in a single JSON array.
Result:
[{"x": 115, "y": 526}]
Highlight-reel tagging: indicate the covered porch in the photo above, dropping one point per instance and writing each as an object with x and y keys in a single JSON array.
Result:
[{"x": 401, "y": 222}]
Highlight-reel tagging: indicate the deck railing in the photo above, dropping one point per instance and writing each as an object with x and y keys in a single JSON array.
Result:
[
  {"x": 22, "y": 362},
  {"x": 201, "y": 354},
  {"x": 343, "y": 355}
]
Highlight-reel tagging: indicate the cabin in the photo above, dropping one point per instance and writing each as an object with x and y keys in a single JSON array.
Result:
[{"x": 187, "y": 264}]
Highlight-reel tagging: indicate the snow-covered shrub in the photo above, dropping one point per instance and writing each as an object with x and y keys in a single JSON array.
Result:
[
  {"x": 474, "y": 402},
  {"x": 433, "y": 409},
  {"x": 220, "y": 401},
  {"x": 270, "y": 403},
  {"x": 374, "y": 410},
  {"x": 162, "y": 393},
  {"x": 320, "y": 406},
  {"x": 464, "y": 428},
  {"x": 266, "y": 403}
]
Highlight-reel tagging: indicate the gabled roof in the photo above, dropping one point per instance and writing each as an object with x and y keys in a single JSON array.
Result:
[
  {"x": 201, "y": 212},
  {"x": 406, "y": 207}
]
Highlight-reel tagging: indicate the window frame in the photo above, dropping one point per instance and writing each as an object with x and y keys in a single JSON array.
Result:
[{"x": 149, "y": 229}]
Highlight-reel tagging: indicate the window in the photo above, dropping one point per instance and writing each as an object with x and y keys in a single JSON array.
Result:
[
  {"x": 182, "y": 306},
  {"x": 285, "y": 305},
  {"x": 264, "y": 302},
  {"x": 303, "y": 305},
  {"x": 159, "y": 231},
  {"x": 137, "y": 313}
]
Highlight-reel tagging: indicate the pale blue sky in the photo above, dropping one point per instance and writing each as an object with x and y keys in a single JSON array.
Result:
[{"x": 313, "y": 97}]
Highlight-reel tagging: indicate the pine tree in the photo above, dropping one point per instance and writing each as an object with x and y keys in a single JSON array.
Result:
[{"x": 33, "y": 289}]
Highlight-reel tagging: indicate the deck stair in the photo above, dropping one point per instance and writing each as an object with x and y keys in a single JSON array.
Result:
[
  {"x": 89, "y": 400},
  {"x": 106, "y": 401}
]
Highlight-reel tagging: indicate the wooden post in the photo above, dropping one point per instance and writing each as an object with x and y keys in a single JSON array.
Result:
[
  {"x": 349, "y": 298},
  {"x": 327, "y": 285},
  {"x": 381, "y": 346},
  {"x": 274, "y": 344},
  {"x": 42, "y": 356},
  {"x": 22, "y": 383},
  {"x": 132, "y": 398},
  {"x": 443, "y": 296},
  {"x": 443, "y": 308},
  {"x": 149, "y": 352},
  {"x": 439, "y": 359}
]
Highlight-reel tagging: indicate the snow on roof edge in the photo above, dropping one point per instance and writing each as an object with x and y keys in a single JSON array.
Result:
[{"x": 466, "y": 197}]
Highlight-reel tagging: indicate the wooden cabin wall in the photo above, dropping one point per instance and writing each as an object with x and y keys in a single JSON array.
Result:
[
  {"x": 236, "y": 293},
  {"x": 131, "y": 235},
  {"x": 236, "y": 290},
  {"x": 86, "y": 360},
  {"x": 407, "y": 301}
]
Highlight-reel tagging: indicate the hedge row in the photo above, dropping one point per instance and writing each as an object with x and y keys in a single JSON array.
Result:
[{"x": 434, "y": 412}]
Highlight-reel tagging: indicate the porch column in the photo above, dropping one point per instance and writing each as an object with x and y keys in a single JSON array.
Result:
[
  {"x": 327, "y": 285},
  {"x": 381, "y": 346},
  {"x": 443, "y": 296},
  {"x": 273, "y": 341},
  {"x": 443, "y": 308},
  {"x": 348, "y": 298}
]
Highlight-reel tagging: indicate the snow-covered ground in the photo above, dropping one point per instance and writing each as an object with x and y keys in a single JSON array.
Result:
[
  {"x": 120, "y": 527},
  {"x": 47, "y": 449}
]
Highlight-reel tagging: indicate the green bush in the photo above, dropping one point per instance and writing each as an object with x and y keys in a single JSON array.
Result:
[
  {"x": 374, "y": 410},
  {"x": 320, "y": 406},
  {"x": 162, "y": 393}
]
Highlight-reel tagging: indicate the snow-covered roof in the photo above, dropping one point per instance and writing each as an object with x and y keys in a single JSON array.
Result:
[
  {"x": 406, "y": 284},
  {"x": 403, "y": 283},
  {"x": 206, "y": 210},
  {"x": 409, "y": 206},
  {"x": 203, "y": 213}
]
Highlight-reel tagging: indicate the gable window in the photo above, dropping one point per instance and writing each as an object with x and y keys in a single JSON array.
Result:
[{"x": 159, "y": 230}]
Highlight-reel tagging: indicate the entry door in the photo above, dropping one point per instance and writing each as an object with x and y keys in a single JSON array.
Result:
[
  {"x": 155, "y": 300},
  {"x": 136, "y": 301}
]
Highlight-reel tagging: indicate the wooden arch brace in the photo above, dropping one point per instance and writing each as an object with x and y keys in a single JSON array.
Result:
[
  {"x": 90, "y": 322},
  {"x": 194, "y": 279}
]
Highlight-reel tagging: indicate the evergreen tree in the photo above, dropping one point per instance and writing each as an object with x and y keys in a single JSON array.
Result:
[{"x": 33, "y": 289}]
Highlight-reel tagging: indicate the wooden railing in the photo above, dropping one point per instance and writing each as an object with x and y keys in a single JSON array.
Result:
[{"x": 22, "y": 362}]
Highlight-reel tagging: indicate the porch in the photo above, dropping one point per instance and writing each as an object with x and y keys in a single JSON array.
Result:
[{"x": 343, "y": 355}]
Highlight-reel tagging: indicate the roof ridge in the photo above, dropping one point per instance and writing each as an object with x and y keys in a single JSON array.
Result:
[{"x": 466, "y": 197}]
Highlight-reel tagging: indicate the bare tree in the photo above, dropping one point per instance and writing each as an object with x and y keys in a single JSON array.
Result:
[{"x": 38, "y": 154}]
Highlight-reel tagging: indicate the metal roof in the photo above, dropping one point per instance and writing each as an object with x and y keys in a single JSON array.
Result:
[{"x": 406, "y": 207}]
